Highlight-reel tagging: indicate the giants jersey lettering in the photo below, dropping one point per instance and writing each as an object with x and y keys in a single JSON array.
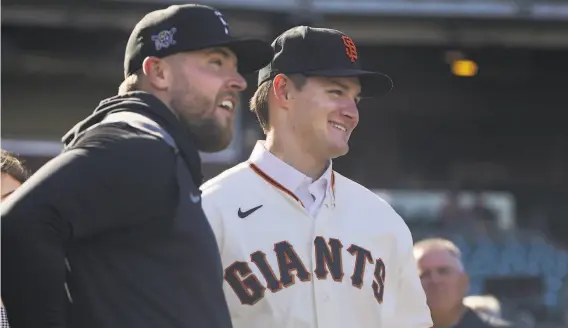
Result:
[
  {"x": 349, "y": 266},
  {"x": 328, "y": 260}
]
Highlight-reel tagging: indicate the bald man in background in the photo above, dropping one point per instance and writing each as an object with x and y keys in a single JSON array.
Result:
[{"x": 446, "y": 283}]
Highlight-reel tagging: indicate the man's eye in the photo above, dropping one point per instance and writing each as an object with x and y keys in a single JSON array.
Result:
[
  {"x": 337, "y": 92},
  {"x": 217, "y": 62},
  {"x": 444, "y": 271}
]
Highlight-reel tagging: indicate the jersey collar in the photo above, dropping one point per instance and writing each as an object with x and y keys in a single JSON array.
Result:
[{"x": 283, "y": 176}]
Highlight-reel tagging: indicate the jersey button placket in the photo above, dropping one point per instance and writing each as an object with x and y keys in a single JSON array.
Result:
[{"x": 323, "y": 302}]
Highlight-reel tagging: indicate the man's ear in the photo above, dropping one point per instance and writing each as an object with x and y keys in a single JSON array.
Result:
[
  {"x": 156, "y": 72},
  {"x": 281, "y": 89}
]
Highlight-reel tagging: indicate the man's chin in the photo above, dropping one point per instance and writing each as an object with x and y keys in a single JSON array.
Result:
[
  {"x": 339, "y": 150},
  {"x": 438, "y": 306},
  {"x": 210, "y": 150},
  {"x": 213, "y": 144}
]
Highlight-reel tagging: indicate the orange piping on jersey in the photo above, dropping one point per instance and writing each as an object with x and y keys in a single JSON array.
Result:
[
  {"x": 274, "y": 183},
  {"x": 333, "y": 182}
]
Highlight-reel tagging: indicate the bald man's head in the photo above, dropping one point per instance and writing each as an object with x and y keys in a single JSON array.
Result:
[
  {"x": 431, "y": 245},
  {"x": 442, "y": 273}
]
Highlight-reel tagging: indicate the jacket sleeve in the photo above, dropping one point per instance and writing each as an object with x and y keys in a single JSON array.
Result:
[
  {"x": 110, "y": 183},
  {"x": 211, "y": 206},
  {"x": 411, "y": 309}
]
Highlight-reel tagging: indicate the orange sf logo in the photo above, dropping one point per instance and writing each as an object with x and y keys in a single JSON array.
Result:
[{"x": 350, "y": 48}]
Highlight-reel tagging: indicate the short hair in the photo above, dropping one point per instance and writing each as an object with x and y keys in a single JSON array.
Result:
[
  {"x": 14, "y": 167},
  {"x": 440, "y": 244},
  {"x": 485, "y": 303},
  {"x": 259, "y": 101},
  {"x": 131, "y": 83}
]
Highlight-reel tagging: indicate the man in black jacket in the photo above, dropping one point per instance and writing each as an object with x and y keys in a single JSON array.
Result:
[{"x": 111, "y": 232}]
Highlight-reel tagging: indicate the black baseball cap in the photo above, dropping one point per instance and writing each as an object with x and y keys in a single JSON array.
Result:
[
  {"x": 322, "y": 52},
  {"x": 190, "y": 27}
]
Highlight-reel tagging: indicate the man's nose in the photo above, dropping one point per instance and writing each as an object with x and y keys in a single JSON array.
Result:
[
  {"x": 351, "y": 112},
  {"x": 436, "y": 278},
  {"x": 237, "y": 82}
]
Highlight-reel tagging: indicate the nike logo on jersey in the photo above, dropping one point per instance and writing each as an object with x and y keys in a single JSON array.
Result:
[
  {"x": 244, "y": 214},
  {"x": 291, "y": 268}
]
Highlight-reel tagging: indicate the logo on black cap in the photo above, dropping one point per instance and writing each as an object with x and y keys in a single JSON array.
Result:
[
  {"x": 197, "y": 28},
  {"x": 164, "y": 39},
  {"x": 350, "y": 48}
]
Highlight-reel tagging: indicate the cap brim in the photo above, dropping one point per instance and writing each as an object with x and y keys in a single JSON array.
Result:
[
  {"x": 373, "y": 84},
  {"x": 252, "y": 54}
]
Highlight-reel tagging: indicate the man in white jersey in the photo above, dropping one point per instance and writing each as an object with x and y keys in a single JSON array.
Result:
[{"x": 301, "y": 245}]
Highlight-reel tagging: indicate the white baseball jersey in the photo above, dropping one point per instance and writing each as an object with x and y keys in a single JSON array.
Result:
[{"x": 348, "y": 265}]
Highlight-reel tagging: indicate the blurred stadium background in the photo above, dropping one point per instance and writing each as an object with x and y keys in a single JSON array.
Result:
[{"x": 472, "y": 144}]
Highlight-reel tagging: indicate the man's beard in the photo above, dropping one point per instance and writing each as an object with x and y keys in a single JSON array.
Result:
[{"x": 210, "y": 136}]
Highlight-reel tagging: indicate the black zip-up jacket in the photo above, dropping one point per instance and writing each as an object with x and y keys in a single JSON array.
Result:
[
  {"x": 472, "y": 319},
  {"x": 111, "y": 232}
]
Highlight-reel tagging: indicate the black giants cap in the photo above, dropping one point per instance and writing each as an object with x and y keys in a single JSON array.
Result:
[
  {"x": 182, "y": 28},
  {"x": 322, "y": 52}
]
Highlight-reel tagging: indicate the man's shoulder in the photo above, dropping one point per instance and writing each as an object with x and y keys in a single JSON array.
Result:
[
  {"x": 121, "y": 147},
  {"x": 479, "y": 319},
  {"x": 366, "y": 201},
  {"x": 234, "y": 177},
  {"x": 349, "y": 189},
  {"x": 493, "y": 321},
  {"x": 347, "y": 186},
  {"x": 119, "y": 136}
]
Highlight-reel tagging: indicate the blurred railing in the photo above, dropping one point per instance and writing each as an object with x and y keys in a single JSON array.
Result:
[
  {"x": 542, "y": 9},
  {"x": 531, "y": 9}
]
